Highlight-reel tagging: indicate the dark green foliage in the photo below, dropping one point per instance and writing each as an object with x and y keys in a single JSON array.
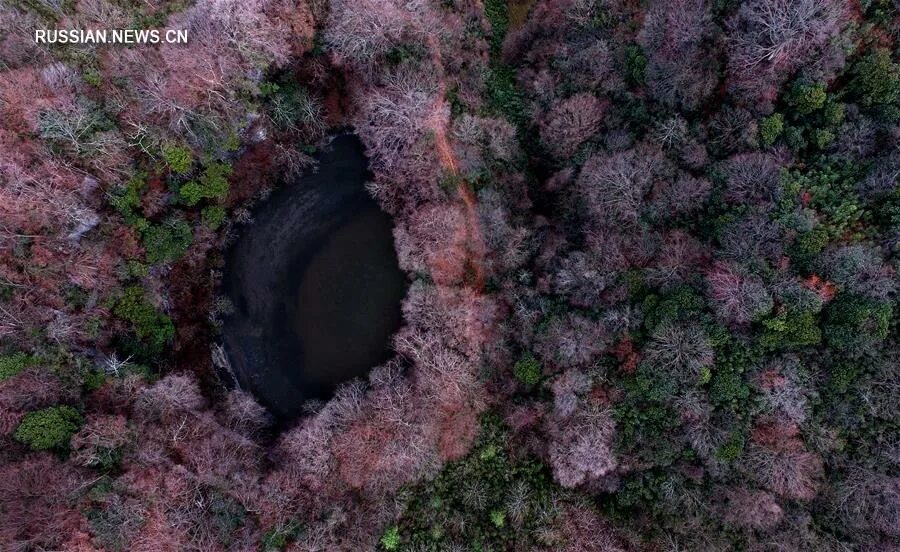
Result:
[
  {"x": 636, "y": 113},
  {"x": 148, "y": 18},
  {"x": 114, "y": 519},
  {"x": 75, "y": 296},
  {"x": 168, "y": 241},
  {"x": 844, "y": 375},
  {"x": 809, "y": 244},
  {"x": 49, "y": 428},
  {"x": 390, "y": 540},
  {"x": 876, "y": 79},
  {"x": 678, "y": 304},
  {"x": 268, "y": 88},
  {"x": 642, "y": 489},
  {"x": 650, "y": 385},
  {"x": 503, "y": 98},
  {"x": 137, "y": 269},
  {"x": 821, "y": 138},
  {"x": 732, "y": 449},
  {"x": 277, "y": 539},
  {"x": 727, "y": 387},
  {"x": 178, "y": 158},
  {"x": 830, "y": 189},
  {"x": 645, "y": 430},
  {"x": 212, "y": 184},
  {"x": 498, "y": 518},
  {"x": 405, "y": 53},
  {"x": 106, "y": 459},
  {"x": 789, "y": 330},
  {"x": 127, "y": 197},
  {"x": 457, "y": 107},
  {"x": 814, "y": 117},
  {"x": 191, "y": 193},
  {"x": 852, "y": 321},
  {"x": 528, "y": 370},
  {"x": 497, "y": 13},
  {"x": 845, "y": 399},
  {"x": 6, "y": 292},
  {"x": 833, "y": 113},
  {"x": 12, "y": 364},
  {"x": 149, "y": 326},
  {"x": 644, "y": 420},
  {"x": 227, "y": 514},
  {"x": 879, "y": 11},
  {"x": 214, "y": 180},
  {"x": 794, "y": 138},
  {"x": 635, "y": 64},
  {"x": 473, "y": 500},
  {"x": 93, "y": 380},
  {"x": 450, "y": 181},
  {"x": 770, "y": 129},
  {"x": 47, "y": 10},
  {"x": 806, "y": 97},
  {"x": 886, "y": 215},
  {"x": 213, "y": 216}
]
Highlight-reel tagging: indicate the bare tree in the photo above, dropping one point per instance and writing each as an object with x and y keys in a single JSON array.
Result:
[
  {"x": 679, "y": 71},
  {"x": 98, "y": 442},
  {"x": 362, "y": 30},
  {"x": 683, "y": 195},
  {"x": 581, "y": 445},
  {"x": 615, "y": 184},
  {"x": 868, "y": 500},
  {"x": 570, "y": 123},
  {"x": 681, "y": 350},
  {"x": 778, "y": 460},
  {"x": 768, "y": 39},
  {"x": 751, "y": 508},
  {"x": 170, "y": 399},
  {"x": 738, "y": 298}
]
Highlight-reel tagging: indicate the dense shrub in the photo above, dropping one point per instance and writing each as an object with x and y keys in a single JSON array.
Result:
[
  {"x": 876, "y": 78},
  {"x": 50, "y": 428},
  {"x": 178, "y": 158},
  {"x": 852, "y": 321},
  {"x": 167, "y": 241},
  {"x": 146, "y": 322},
  {"x": 789, "y": 330},
  {"x": 212, "y": 184},
  {"x": 127, "y": 197},
  {"x": 770, "y": 129},
  {"x": 528, "y": 370},
  {"x": 500, "y": 494},
  {"x": 12, "y": 364},
  {"x": 806, "y": 97},
  {"x": 213, "y": 216}
]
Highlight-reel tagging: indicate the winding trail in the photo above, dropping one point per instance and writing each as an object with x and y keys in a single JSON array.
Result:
[{"x": 475, "y": 245}]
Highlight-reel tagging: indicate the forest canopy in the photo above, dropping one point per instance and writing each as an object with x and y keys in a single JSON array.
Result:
[{"x": 652, "y": 249}]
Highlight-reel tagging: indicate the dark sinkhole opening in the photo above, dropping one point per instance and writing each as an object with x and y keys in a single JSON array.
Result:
[{"x": 315, "y": 284}]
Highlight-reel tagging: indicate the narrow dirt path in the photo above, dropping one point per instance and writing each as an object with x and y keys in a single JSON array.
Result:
[{"x": 476, "y": 249}]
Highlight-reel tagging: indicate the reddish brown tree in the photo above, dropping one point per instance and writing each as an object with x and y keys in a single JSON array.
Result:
[
  {"x": 778, "y": 460},
  {"x": 751, "y": 509},
  {"x": 570, "y": 123},
  {"x": 679, "y": 69},
  {"x": 35, "y": 495},
  {"x": 737, "y": 297},
  {"x": 769, "y": 39}
]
